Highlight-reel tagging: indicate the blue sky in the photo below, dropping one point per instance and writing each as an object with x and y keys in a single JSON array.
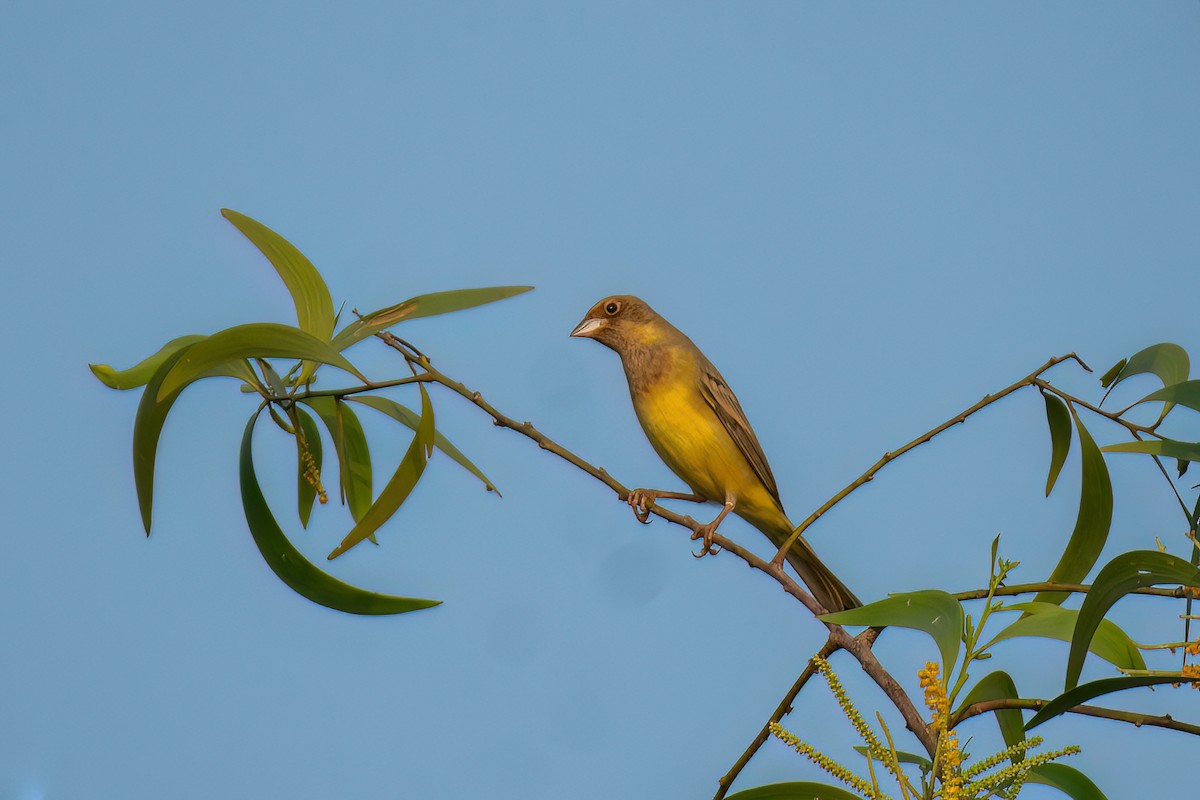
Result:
[{"x": 867, "y": 216}]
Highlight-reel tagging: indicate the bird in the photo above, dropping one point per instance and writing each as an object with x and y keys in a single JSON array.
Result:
[{"x": 696, "y": 425}]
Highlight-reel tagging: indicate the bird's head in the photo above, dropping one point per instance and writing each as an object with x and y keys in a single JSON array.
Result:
[{"x": 621, "y": 322}]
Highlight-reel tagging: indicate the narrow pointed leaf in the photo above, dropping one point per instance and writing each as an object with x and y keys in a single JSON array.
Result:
[
  {"x": 1186, "y": 451},
  {"x": 1092, "y": 522},
  {"x": 1089, "y": 691},
  {"x": 254, "y": 340},
  {"x": 310, "y": 447},
  {"x": 904, "y": 758},
  {"x": 798, "y": 790},
  {"x": 1050, "y": 621},
  {"x": 296, "y": 571},
  {"x": 425, "y": 305},
  {"x": 1107, "y": 378},
  {"x": 1068, "y": 780},
  {"x": 314, "y": 306},
  {"x": 1186, "y": 394},
  {"x": 141, "y": 372},
  {"x": 999, "y": 686},
  {"x": 355, "y": 477},
  {"x": 932, "y": 611},
  {"x": 401, "y": 484},
  {"x": 1059, "y": 420},
  {"x": 148, "y": 424},
  {"x": 1166, "y": 360},
  {"x": 1119, "y": 577},
  {"x": 411, "y": 419}
]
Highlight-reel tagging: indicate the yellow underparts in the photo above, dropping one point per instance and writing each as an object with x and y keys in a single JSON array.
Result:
[{"x": 690, "y": 439}]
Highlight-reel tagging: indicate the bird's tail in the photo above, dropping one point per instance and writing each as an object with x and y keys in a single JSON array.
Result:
[{"x": 824, "y": 585}]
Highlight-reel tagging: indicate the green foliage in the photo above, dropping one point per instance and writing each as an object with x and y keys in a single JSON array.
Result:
[
  {"x": 236, "y": 351},
  {"x": 1092, "y": 522},
  {"x": 797, "y": 790},
  {"x": 1090, "y": 691},
  {"x": 935, "y": 612},
  {"x": 1067, "y": 780}
]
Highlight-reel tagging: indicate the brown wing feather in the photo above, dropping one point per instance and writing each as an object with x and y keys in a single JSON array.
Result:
[{"x": 722, "y": 400}]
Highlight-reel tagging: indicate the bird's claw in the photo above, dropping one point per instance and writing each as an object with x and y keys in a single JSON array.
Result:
[
  {"x": 709, "y": 548},
  {"x": 640, "y": 501}
]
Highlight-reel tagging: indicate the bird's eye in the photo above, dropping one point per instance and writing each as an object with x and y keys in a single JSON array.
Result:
[{"x": 611, "y": 308}]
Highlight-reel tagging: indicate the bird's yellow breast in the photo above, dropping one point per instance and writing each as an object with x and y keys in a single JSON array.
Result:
[{"x": 687, "y": 435}]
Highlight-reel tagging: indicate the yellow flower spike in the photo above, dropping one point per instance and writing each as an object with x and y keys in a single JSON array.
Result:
[{"x": 826, "y": 763}]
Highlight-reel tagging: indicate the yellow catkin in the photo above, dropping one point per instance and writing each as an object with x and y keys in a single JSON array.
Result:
[
  {"x": 1193, "y": 671},
  {"x": 826, "y": 763},
  {"x": 935, "y": 694},
  {"x": 874, "y": 746}
]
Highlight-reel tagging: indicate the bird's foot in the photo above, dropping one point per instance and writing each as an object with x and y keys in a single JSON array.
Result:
[
  {"x": 640, "y": 501},
  {"x": 706, "y": 533}
]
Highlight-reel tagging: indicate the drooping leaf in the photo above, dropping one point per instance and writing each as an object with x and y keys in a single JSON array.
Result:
[
  {"x": 425, "y": 305},
  {"x": 411, "y": 419},
  {"x": 1107, "y": 378},
  {"x": 999, "y": 685},
  {"x": 152, "y": 415},
  {"x": 254, "y": 340},
  {"x": 1050, "y": 621},
  {"x": 1092, "y": 522},
  {"x": 296, "y": 571},
  {"x": 355, "y": 477},
  {"x": 1067, "y": 780},
  {"x": 1185, "y": 394},
  {"x": 904, "y": 758},
  {"x": 141, "y": 372},
  {"x": 314, "y": 306},
  {"x": 307, "y": 448},
  {"x": 1187, "y": 451},
  {"x": 1059, "y": 420},
  {"x": 1119, "y": 577},
  {"x": 401, "y": 484},
  {"x": 1089, "y": 691},
  {"x": 933, "y": 611},
  {"x": 1166, "y": 360},
  {"x": 797, "y": 790}
]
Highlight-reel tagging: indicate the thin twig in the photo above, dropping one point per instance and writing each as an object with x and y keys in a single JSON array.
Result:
[
  {"x": 783, "y": 709},
  {"x": 1029, "y": 380},
  {"x": 1051, "y": 586},
  {"x": 1135, "y": 719}
]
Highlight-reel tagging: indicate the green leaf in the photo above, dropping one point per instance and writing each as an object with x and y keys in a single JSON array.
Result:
[
  {"x": 1067, "y": 780},
  {"x": 1050, "y": 621},
  {"x": 139, "y": 374},
  {"x": 411, "y": 419},
  {"x": 314, "y": 306},
  {"x": 933, "y": 611},
  {"x": 1187, "y": 451},
  {"x": 1113, "y": 372},
  {"x": 152, "y": 415},
  {"x": 1089, "y": 691},
  {"x": 1059, "y": 419},
  {"x": 401, "y": 485},
  {"x": 904, "y": 758},
  {"x": 306, "y": 492},
  {"x": 290, "y": 564},
  {"x": 1119, "y": 577},
  {"x": 1166, "y": 360},
  {"x": 254, "y": 340},
  {"x": 354, "y": 455},
  {"x": 1186, "y": 394},
  {"x": 1092, "y": 522},
  {"x": 798, "y": 790},
  {"x": 999, "y": 686},
  {"x": 425, "y": 305}
]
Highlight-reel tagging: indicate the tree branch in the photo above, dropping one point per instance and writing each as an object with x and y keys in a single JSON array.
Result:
[
  {"x": 784, "y": 708},
  {"x": 1137, "y": 720},
  {"x": 1050, "y": 586},
  {"x": 1029, "y": 380}
]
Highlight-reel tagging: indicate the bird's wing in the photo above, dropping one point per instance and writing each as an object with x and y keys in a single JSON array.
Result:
[{"x": 722, "y": 400}]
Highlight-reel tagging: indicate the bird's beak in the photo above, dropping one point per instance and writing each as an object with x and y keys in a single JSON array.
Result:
[{"x": 587, "y": 328}]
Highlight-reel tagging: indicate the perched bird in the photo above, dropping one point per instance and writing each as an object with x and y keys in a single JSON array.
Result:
[{"x": 697, "y": 427}]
